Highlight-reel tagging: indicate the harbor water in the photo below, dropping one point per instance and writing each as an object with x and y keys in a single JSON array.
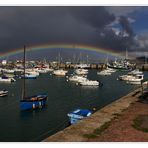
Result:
[{"x": 63, "y": 97}]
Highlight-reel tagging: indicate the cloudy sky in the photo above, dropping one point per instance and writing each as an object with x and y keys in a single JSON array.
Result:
[{"x": 118, "y": 28}]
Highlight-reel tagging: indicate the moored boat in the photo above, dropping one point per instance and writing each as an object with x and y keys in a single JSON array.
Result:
[
  {"x": 60, "y": 72},
  {"x": 31, "y": 102},
  {"x": 78, "y": 115},
  {"x": 81, "y": 71},
  {"x": 6, "y": 79},
  {"x": 28, "y": 76},
  {"x": 3, "y": 93},
  {"x": 90, "y": 83}
]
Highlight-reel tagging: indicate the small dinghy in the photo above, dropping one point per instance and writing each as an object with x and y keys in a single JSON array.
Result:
[
  {"x": 78, "y": 114},
  {"x": 3, "y": 93}
]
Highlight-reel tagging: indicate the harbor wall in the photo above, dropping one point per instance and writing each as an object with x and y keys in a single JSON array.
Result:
[{"x": 75, "y": 133}]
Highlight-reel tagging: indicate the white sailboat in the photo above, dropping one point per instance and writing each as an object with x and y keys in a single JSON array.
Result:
[{"x": 59, "y": 72}]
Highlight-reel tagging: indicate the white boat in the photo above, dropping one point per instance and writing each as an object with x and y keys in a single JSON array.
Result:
[
  {"x": 8, "y": 70},
  {"x": 18, "y": 70},
  {"x": 28, "y": 76},
  {"x": 9, "y": 75},
  {"x": 32, "y": 72},
  {"x": 135, "y": 72},
  {"x": 126, "y": 77},
  {"x": 89, "y": 83},
  {"x": 104, "y": 73},
  {"x": 77, "y": 78},
  {"x": 6, "y": 79},
  {"x": 50, "y": 69},
  {"x": 81, "y": 71},
  {"x": 60, "y": 72},
  {"x": 136, "y": 79},
  {"x": 42, "y": 70},
  {"x": 3, "y": 93},
  {"x": 111, "y": 70}
]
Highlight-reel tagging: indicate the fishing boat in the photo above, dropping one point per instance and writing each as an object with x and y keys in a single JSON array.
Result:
[
  {"x": 31, "y": 102},
  {"x": 3, "y": 93},
  {"x": 78, "y": 115},
  {"x": 122, "y": 65}
]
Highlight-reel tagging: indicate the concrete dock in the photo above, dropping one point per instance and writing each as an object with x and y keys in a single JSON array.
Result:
[{"x": 75, "y": 133}]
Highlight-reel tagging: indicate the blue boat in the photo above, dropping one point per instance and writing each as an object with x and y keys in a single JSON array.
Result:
[
  {"x": 78, "y": 114},
  {"x": 29, "y": 77},
  {"x": 31, "y": 102}
]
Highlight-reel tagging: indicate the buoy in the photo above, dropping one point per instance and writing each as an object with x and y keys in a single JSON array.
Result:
[{"x": 94, "y": 109}]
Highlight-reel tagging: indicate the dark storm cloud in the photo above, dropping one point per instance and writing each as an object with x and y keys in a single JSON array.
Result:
[
  {"x": 76, "y": 25},
  {"x": 96, "y": 17},
  {"x": 123, "y": 20}
]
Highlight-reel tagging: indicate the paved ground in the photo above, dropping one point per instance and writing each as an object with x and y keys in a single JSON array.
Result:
[{"x": 120, "y": 128}]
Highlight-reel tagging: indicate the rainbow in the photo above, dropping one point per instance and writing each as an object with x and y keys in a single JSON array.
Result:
[{"x": 63, "y": 46}]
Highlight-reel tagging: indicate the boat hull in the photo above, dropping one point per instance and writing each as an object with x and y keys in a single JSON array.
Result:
[
  {"x": 33, "y": 104},
  {"x": 29, "y": 77}
]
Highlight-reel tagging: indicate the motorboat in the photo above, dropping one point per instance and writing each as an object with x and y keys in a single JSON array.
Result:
[
  {"x": 136, "y": 79},
  {"x": 81, "y": 71},
  {"x": 60, "y": 72},
  {"x": 77, "y": 78},
  {"x": 3, "y": 93},
  {"x": 8, "y": 71},
  {"x": 104, "y": 73},
  {"x": 28, "y": 76},
  {"x": 135, "y": 72},
  {"x": 78, "y": 115},
  {"x": 89, "y": 83},
  {"x": 126, "y": 77},
  {"x": 32, "y": 72},
  {"x": 6, "y": 79}
]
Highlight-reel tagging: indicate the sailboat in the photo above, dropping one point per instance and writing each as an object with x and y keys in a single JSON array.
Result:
[
  {"x": 59, "y": 72},
  {"x": 31, "y": 102}
]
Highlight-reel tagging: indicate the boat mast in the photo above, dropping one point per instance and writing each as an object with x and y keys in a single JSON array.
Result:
[
  {"x": 24, "y": 61},
  {"x": 126, "y": 55}
]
